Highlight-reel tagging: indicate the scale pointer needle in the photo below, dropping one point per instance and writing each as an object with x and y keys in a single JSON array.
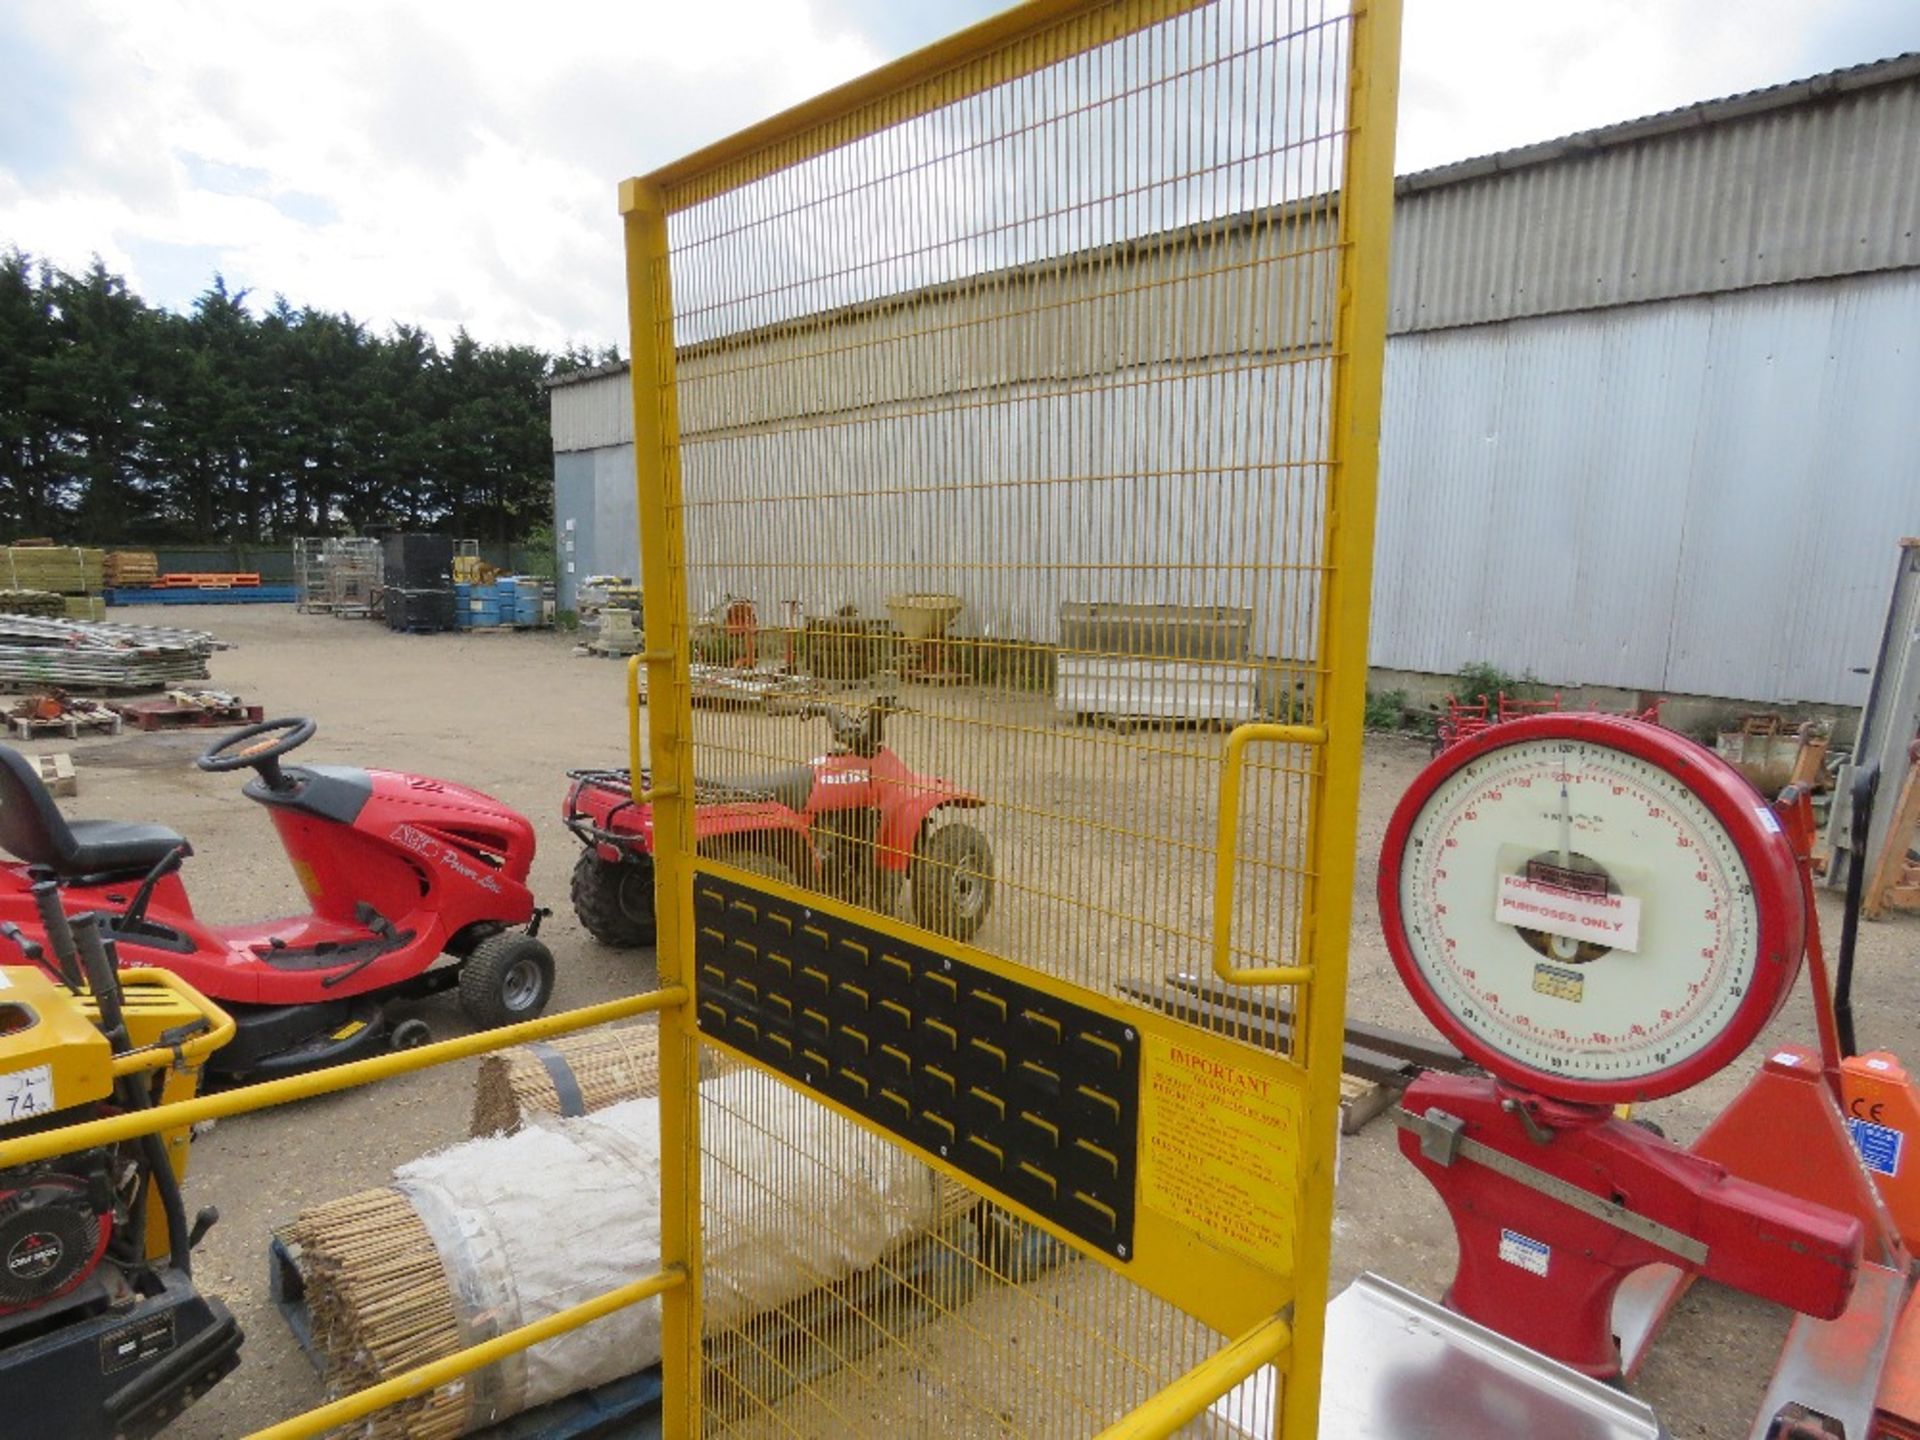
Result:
[{"x": 1565, "y": 947}]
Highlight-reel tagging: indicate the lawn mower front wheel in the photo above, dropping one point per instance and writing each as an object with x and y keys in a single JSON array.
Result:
[{"x": 508, "y": 978}]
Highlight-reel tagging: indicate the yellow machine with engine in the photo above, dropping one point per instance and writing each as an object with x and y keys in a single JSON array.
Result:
[{"x": 102, "y": 1333}]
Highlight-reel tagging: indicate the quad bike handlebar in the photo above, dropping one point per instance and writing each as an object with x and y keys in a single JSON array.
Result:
[
  {"x": 254, "y": 748},
  {"x": 861, "y": 734}
]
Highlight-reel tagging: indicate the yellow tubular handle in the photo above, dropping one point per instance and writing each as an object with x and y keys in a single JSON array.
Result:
[
  {"x": 1227, "y": 851},
  {"x": 66, "y": 1139},
  {"x": 435, "y": 1373},
  {"x": 641, "y": 797},
  {"x": 192, "y": 1051},
  {"x": 633, "y": 720},
  {"x": 1213, "y": 1377}
]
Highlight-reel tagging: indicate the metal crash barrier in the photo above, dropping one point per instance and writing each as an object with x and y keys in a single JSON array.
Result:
[{"x": 1005, "y": 427}]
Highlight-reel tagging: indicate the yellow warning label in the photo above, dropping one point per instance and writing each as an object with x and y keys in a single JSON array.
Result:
[
  {"x": 1560, "y": 984},
  {"x": 1219, "y": 1149},
  {"x": 349, "y": 1030}
]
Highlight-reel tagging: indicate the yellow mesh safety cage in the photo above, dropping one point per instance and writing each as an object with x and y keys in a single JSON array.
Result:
[{"x": 1005, "y": 427}]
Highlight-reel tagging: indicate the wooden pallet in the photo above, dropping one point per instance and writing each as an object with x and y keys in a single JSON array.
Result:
[
  {"x": 56, "y": 772},
  {"x": 149, "y": 715},
  {"x": 1372, "y": 1052},
  {"x": 207, "y": 579},
  {"x": 1363, "y": 1100},
  {"x": 25, "y": 727}
]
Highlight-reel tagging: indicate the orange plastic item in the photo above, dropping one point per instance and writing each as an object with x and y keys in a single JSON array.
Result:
[
  {"x": 1785, "y": 1131},
  {"x": 1897, "y": 1409},
  {"x": 1883, "y": 1117},
  {"x": 743, "y": 627}
]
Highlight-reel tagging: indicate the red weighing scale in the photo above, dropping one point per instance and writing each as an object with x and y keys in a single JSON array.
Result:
[{"x": 1599, "y": 912}]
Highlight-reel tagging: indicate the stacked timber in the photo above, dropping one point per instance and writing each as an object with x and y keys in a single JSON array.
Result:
[
  {"x": 131, "y": 569},
  {"x": 83, "y": 657},
  {"x": 63, "y": 569}
]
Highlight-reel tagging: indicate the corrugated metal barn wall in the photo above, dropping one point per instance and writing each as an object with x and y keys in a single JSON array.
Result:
[
  {"x": 1697, "y": 496},
  {"x": 1632, "y": 435},
  {"x": 1700, "y": 497}
]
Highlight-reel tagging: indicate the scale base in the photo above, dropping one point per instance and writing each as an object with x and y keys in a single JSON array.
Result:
[
  {"x": 1398, "y": 1365},
  {"x": 1552, "y": 1221}
]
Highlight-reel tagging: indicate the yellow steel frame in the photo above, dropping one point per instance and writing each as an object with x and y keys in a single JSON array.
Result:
[
  {"x": 1193, "y": 1392},
  {"x": 1360, "y": 343},
  {"x": 177, "y": 1115},
  {"x": 670, "y": 710},
  {"x": 1020, "y": 41},
  {"x": 44, "y": 1144}
]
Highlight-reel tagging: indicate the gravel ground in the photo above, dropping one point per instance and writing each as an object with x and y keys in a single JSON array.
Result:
[{"x": 509, "y": 714}]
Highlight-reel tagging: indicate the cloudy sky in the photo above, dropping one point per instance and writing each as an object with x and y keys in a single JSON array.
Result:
[{"x": 452, "y": 164}]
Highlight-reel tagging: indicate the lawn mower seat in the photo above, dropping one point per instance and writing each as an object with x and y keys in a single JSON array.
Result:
[{"x": 33, "y": 829}]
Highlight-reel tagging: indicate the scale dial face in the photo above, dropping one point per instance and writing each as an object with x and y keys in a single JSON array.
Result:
[{"x": 1594, "y": 908}]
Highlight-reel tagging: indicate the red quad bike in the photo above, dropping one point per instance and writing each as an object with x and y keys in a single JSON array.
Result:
[
  {"x": 400, "y": 870},
  {"x": 851, "y": 823}
]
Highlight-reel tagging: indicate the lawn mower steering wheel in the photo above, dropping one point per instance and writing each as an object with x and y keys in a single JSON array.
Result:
[{"x": 259, "y": 747}]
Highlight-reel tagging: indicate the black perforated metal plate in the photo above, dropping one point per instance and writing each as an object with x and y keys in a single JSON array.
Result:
[{"x": 1032, "y": 1095}]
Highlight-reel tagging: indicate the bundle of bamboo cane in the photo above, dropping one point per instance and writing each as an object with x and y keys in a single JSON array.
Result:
[
  {"x": 381, "y": 1303},
  {"x": 579, "y": 1074},
  {"x": 575, "y": 1075},
  {"x": 464, "y": 1245}
]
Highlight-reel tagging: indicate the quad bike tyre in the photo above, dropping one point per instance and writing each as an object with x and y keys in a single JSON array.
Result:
[
  {"x": 953, "y": 880},
  {"x": 508, "y": 978},
  {"x": 614, "y": 901}
]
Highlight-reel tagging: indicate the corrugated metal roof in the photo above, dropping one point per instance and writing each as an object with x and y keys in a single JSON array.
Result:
[
  {"x": 591, "y": 411},
  {"x": 586, "y": 373},
  {"x": 1746, "y": 104},
  {"x": 1715, "y": 198}
]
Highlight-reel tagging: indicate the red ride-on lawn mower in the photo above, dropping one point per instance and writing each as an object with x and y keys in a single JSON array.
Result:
[
  {"x": 400, "y": 869},
  {"x": 852, "y": 823}
]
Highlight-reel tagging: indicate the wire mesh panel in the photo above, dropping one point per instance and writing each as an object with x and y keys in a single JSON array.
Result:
[{"x": 1003, "y": 428}]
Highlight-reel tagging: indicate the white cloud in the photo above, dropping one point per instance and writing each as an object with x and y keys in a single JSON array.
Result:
[
  {"x": 465, "y": 158},
  {"x": 456, "y": 164},
  {"x": 1485, "y": 75}
]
